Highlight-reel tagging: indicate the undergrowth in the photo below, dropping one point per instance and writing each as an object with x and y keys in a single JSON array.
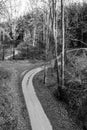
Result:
[
  {"x": 8, "y": 121},
  {"x": 75, "y": 92}
]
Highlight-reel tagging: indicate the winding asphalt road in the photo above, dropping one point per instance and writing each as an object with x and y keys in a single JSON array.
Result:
[{"x": 38, "y": 118}]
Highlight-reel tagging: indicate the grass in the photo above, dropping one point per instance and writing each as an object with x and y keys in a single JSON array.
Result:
[
  {"x": 11, "y": 96},
  {"x": 54, "y": 109},
  {"x": 13, "y": 112},
  {"x": 7, "y": 118}
]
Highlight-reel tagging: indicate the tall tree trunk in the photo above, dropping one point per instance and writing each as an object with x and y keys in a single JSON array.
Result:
[
  {"x": 3, "y": 53},
  {"x": 55, "y": 31},
  {"x": 44, "y": 40},
  {"x": 3, "y": 46},
  {"x": 34, "y": 36},
  {"x": 13, "y": 51},
  {"x": 46, "y": 47},
  {"x": 27, "y": 51},
  {"x": 63, "y": 41}
]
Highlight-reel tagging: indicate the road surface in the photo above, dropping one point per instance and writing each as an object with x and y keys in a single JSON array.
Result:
[{"x": 38, "y": 118}]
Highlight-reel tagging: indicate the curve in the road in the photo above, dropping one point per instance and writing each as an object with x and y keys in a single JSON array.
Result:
[{"x": 38, "y": 118}]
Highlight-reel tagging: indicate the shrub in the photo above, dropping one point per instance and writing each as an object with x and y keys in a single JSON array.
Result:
[
  {"x": 8, "y": 121},
  {"x": 75, "y": 92}
]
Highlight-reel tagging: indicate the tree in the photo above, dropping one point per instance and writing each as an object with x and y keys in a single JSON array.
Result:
[
  {"x": 63, "y": 41},
  {"x": 52, "y": 12},
  {"x": 76, "y": 29},
  {"x": 3, "y": 14},
  {"x": 11, "y": 21},
  {"x": 27, "y": 23},
  {"x": 3, "y": 11}
]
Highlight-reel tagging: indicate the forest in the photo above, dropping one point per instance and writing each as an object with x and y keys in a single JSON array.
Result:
[{"x": 55, "y": 34}]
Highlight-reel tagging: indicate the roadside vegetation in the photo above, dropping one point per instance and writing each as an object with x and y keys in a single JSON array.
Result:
[
  {"x": 54, "y": 108},
  {"x": 72, "y": 99},
  {"x": 13, "y": 112}
]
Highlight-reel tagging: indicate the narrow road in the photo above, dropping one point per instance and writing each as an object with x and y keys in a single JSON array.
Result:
[{"x": 38, "y": 118}]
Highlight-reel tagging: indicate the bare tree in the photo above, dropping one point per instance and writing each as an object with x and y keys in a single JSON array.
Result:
[
  {"x": 46, "y": 40},
  {"x": 12, "y": 24},
  {"x": 54, "y": 10},
  {"x": 9, "y": 14},
  {"x": 3, "y": 14},
  {"x": 63, "y": 40},
  {"x": 3, "y": 10},
  {"x": 52, "y": 26},
  {"x": 33, "y": 5}
]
